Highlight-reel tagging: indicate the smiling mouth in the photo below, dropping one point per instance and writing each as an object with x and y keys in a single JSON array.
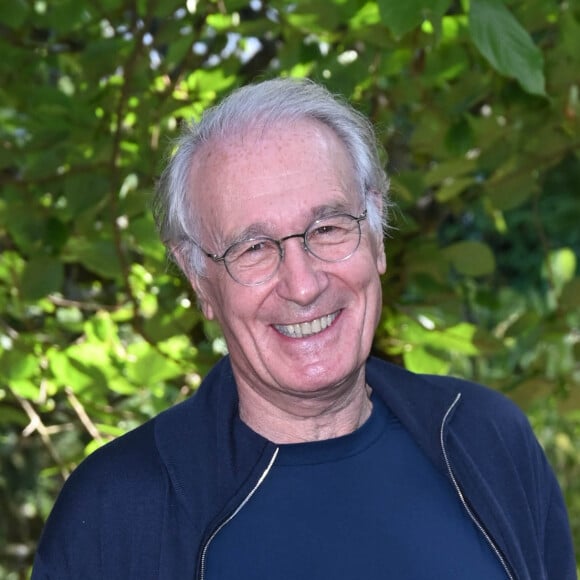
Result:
[{"x": 305, "y": 329}]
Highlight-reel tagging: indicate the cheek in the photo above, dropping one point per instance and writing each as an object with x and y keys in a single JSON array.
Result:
[
  {"x": 235, "y": 306},
  {"x": 213, "y": 297}
]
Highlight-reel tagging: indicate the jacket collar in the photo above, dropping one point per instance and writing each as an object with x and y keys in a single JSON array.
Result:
[
  {"x": 207, "y": 451},
  {"x": 191, "y": 435},
  {"x": 418, "y": 403}
]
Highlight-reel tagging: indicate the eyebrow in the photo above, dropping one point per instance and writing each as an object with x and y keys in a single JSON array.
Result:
[{"x": 264, "y": 229}]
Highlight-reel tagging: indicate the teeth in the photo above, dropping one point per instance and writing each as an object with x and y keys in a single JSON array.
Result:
[{"x": 305, "y": 329}]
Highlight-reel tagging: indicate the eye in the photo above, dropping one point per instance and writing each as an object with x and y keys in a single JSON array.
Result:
[
  {"x": 329, "y": 230},
  {"x": 255, "y": 247},
  {"x": 253, "y": 251},
  {"x": 324, "y": 230}
]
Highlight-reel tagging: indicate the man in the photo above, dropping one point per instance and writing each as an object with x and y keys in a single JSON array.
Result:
[{"x": 300, "y": 457}]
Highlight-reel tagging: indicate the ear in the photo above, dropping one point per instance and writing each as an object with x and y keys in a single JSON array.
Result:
[
  {"x": 198, "y": 283},
  {"x": 381, "y": 256},
  {"x": 376, "y": 199},
  {"x": 200, "y": 286}
]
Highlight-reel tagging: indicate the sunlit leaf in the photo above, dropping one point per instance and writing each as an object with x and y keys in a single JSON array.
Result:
[
  {"x": 148, "y": 366},
  {"x": 26, "y": 388},
  {"x": 562, "y": 266},
  {"x": 67, "y": 373},
  {"x": 421, "y": 360},
  {"x": 16, "y": 365},
  {"x": 101, "y": 328}
]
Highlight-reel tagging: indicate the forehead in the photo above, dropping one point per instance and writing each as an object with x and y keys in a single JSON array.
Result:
[{"x": 271, "y": 179}]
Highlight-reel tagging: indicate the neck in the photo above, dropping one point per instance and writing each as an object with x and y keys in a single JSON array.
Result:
[{"x": 306, "y": 419}]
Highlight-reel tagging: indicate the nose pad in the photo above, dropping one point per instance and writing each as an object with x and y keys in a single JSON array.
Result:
[{"x": 302, "y": 244}]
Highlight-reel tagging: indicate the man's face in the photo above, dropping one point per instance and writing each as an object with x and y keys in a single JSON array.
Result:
[{"x": 275, "y": 183}]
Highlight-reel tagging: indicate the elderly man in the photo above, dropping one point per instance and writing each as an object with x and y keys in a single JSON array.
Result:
[{"x": 300, "y": 457}]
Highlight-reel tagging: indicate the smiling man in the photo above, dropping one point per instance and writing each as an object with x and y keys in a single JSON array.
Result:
[
  {"x": 300, "y": 456},
  {"x": 298, "y": 315}
]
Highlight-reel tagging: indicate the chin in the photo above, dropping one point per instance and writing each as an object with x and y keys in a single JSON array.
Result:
[{"x": 320, "y": 376}]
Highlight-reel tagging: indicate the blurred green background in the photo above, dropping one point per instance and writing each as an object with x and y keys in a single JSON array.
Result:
[{"x": 477, "y": 103}]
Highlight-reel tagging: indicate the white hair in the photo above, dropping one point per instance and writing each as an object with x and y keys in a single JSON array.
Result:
[{"x": 261, "y": 105}]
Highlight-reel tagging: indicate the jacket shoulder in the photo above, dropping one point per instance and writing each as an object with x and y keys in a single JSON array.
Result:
[
  {"x": 422, "y": 400},
  {"x": 480, "y": 400},
  {"x": 487, "y": 418},
  {"x": 111, "y": 499}
]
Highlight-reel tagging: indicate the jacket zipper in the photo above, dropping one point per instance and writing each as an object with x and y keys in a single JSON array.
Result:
[
  {"x": 234, "y": 514},
  {"x": 469, "y": 511}
]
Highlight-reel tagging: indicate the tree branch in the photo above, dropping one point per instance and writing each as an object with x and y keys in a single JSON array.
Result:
[{"x": 36, "y": 424}]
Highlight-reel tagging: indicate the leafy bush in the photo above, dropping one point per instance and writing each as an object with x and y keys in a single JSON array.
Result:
[{"x": 478, "y": 108}]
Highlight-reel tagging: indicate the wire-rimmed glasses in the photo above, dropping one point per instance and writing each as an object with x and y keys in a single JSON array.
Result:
[{"x": 254, "y": 261}]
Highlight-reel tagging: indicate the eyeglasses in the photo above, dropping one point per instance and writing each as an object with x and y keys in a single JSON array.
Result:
[{"x": 255, "y": 261}]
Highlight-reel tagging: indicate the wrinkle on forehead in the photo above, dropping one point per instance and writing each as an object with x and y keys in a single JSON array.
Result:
[
  {"x": 218, "y": 174},
  {"x": 270, "y": 230}
]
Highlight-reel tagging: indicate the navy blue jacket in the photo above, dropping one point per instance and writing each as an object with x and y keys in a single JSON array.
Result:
[{"x": 145, "y": 505}]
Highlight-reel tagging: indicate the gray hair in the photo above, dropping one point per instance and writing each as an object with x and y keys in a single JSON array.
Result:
[{"x": 262, "y": 105}]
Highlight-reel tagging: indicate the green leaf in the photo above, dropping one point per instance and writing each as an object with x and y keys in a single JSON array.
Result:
[
  {"x": 367, "y": 16},
  {"x": 83, "y": 367},
  {"x": 42, "y": 275},
  {"x": 11, "y": 265},
  {"x": 442, "y": 172},
  {"x": 27, "y": 389},
  {"x": 570, "y": 32},
  {"x": 65, "y": 15},
  {"x": 144, "y": 235},
  {"x": 84, "y": 191},
  {"x": 401, "y": 17},
  {"x": 220, "y": 22},
  {"x": 314, "y": 16},
  {"x": 209, "y": 82},
  {"x": 471, "y": 258},
  {"x": 510, "y": 191},
  {"x": 459, "y": 137},
  {"x": 452, "y": 188},
  {"x": 506, "y": 45},
  {"x": 13, "y": 13},
  {"x": 562, "y": 266},
  {"x": 102, "y": 329},
  {"x": 456, "y": 339},
  {"x": 570, "y": 297},
  {"x": 99, "y": 256},
  {"x": 421, "y": 360},
  {"x": 148, "y": 366},
  {"x": 11, "y": 415},
  {"x": 16, "y": 365}
]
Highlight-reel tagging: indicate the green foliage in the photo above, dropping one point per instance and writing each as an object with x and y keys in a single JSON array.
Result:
[
  {"x": 477, "y": 104},
  {"x": 506, "y": 45}
]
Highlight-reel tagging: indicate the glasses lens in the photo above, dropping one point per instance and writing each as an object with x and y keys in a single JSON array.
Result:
[
  {"x": 253, "y": 262},
  {"x": 334, "y": 238}
]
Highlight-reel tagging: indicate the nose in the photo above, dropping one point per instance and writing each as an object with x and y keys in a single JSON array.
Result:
[{"x": 301, "y": 279}]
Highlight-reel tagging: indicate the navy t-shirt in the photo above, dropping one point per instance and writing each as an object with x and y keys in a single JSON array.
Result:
[{"x": 368, "y": 505}]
